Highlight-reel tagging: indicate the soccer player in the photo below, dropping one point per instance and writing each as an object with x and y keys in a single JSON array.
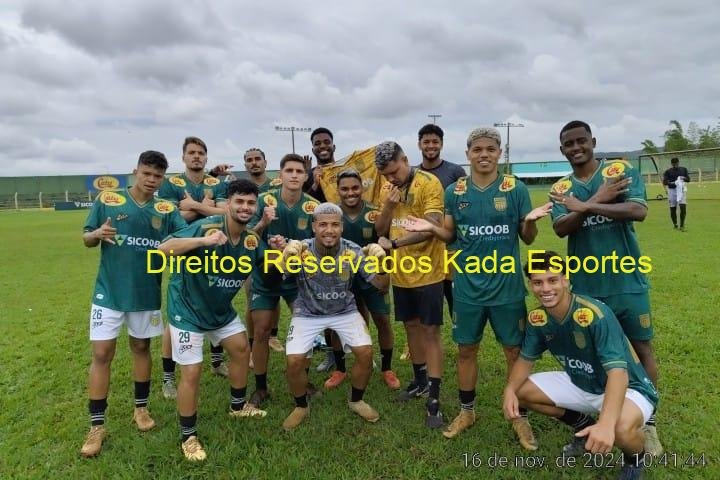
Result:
[
  {"x": 323, "y": 148},
  {"x": 595, "y": 207},
  {"x": 325, "y": 301},
  {"x": 417, "y": 294},
  {"x": 602, "y": 375},
  {"x": 485, "y": 214},
  {"x": 670, "y": 176},
  {"x": 197, "y": 195},
  {"x": 219, "y": 254},
  {"x": 359, "y": 227},
  {"x": 285, "y": 211},
  {"x": 126, "y": 224}
]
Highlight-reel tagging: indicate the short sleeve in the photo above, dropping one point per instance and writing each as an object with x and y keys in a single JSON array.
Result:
[
  {"x": 524, "y": 204},
  {"x": 433, "y": 197},
  {"x": 94, "y": 218},
  {"x": 168, "y": 192},
  {"x": 609, "y": 341},
  {"x": 636, "y": 191},
  {"x": 533, "y": 344}
]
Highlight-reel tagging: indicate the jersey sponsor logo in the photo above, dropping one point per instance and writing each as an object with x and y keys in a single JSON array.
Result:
[
  {"x": 481, "y": 230},
  {"x": 562, "y": 186},
  {"x": 507, "y": 184},
  {"x": 399, "y": 222},
  {"x": 594, "y": 220},
  {"x": 613, "y": 170},
  {"x": 537, "y": 318},
  {"x": 583, "y": 316},
  {"x": 136, "y": 241},
  {"x": 211, "y": 181},
  {"x": 164, "y": 207},
  {"x": 112, "y": 199},
  {"x": 580, "y": 339},
  {"x": 309, "y": 206},
  {"x": 99, "y": 296},
  {"x": 180, "y": 182},
  {"x": 372, "y": 216},
  {"x": 579, "y": 365},
  {"x": 106, "y": 182},
  {"x": 251, "y": 242},
  {"x": 500, "y": 203},
  {"x": 330, "y": 295},
  {"x": 460, "y": 186},
  {"x": 222, "y": 282},
  {"x": 270, "y": 200}
]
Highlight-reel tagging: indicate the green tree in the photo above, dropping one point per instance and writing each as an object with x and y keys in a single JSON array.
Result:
[
  {"x": 649, "y": 146},
  {"x": 675, "y": 138}
]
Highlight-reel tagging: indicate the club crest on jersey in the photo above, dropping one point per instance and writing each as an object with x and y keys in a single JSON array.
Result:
[
  {"x": 156, "y": 222},
  {"x": 251, "y": 242},
  {"x": 211, "y": 181},
  {"x": 177, "y": 181},
  {"x": 583, "y": 316},
  {"x": 562, "y": 186},
  {"x": 164, "y": 207},
  {"x": 309, "y": 206},
  {"x": 302, "y": 223},
  {"x": 537, "y": 318},
  {"x": 580, "y": 339},
  {"x": 500, "y": 204},
  {"x": 460, "y": 186},
  {"x": 276, "y": 182},
  {"x": 613, "y": 170},
  {"x": 269, "y": 200},
  {"x": 507, "y": 184},
  {"x": 367, "y": 233},
  {"x": 645, "y": 320},
  {"x": 372, "y": 216},
  {"x": 112, "y": 199}
]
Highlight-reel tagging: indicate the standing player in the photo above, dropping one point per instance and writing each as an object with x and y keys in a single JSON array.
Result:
[
  {"x": 359, "y": 227},
  {"x": 485, "y": 214},
  {"x": 197, "y": 195},
  {"x": 126, "y": 224},
  {"x": 219, "y": 255},
  {"x": 325, "y": 301},
  {"x": 417, "y": 295},
  {"x": 285, "y": 211},
  {"x": 602, "y": 373},
  {"x": 595, "y": 207},
  {"x": 670, "y": 176},
  {"x": 323, "y": 148}
]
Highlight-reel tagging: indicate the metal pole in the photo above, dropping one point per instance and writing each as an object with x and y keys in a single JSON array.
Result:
[
  {"x": 16, "y": 202},
  {"x": 292, "y": 135},
  {"x": 292, "y": 129}
]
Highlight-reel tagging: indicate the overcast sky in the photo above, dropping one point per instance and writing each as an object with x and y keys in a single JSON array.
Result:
[{"x": 85, "y": 86}]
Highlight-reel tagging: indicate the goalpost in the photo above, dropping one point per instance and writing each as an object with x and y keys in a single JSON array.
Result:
[{"x": 702, "y": 164}]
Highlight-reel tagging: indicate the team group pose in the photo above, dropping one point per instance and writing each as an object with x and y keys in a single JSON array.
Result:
[{"x": 598, "y": 326}]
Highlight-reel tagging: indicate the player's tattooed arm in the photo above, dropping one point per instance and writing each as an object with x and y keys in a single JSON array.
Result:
[{"x": 435, "y": 218}]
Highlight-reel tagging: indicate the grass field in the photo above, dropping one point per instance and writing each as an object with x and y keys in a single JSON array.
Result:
[{"x": 45, "y": 287}]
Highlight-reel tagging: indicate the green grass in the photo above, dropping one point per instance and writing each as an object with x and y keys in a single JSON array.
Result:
[{"x": 45, "y": 287}]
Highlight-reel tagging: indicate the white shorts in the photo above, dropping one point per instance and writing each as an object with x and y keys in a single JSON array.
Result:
[
  {"x": 350, "y": 327},
  {"x": 105, "y": 324},
  {"x": 187, "y": 346},
  {"x": 674, "y": 198},
  {"x": 565, "y": 394}
]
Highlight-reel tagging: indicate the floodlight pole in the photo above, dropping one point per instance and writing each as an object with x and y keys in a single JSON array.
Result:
[
  {"x": 434, "y": 117},
  {"x": 292, "y": 130},
  {"x": 507, "y": 140}
]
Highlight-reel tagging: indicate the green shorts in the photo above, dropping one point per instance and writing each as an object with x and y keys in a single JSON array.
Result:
[
  {"x": 633, "y": 312},
  {"x": 375, "y": 301},
  {"x": 263, "y": 301},
  {"x": 507, "y": 321}
]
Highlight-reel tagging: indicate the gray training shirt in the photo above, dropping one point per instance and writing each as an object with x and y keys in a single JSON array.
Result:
[
  {"x": 446, "y": 172},
  {"x": 322, "y": 294}
]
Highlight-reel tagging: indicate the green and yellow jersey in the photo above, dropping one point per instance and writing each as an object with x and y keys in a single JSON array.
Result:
[{"x": 174, "y": 188}]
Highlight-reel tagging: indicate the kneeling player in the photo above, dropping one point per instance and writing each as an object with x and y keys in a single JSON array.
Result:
[
  {"x": 325, "y": 300},
  {"x": 200, "y": 303},
  {"x": 603, "y": 375}
]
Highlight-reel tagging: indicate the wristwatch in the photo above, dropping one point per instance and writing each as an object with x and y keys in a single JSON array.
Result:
[{"x": 394, "y": 244}]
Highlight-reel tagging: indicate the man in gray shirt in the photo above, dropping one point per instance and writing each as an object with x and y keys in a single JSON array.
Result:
[{"x": 324, "y": 267}]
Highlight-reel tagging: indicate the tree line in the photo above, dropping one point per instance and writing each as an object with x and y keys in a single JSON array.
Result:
[{"x": 676, "y": 138}]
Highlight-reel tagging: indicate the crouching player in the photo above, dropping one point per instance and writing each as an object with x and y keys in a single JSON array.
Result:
[
  {"x": 218, "y": 253},
  {"x": 603, "y": 375},
  {"x": 325, "y": 300}
]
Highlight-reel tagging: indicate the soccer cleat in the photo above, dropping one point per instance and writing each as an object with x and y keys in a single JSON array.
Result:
[
  {"x": 575, "y": 448},
  {"x": 328, "y": 363},
  {"x": 405, "y": 356},
  {"x": 336, "y": 378},
  {"x": 524, "y": 432},
  {"x": 364, "y": 410},
  {"x": 391, "y": 380},
  {"x": 464, "y": 420},
  {"x": 193, "y": 450},
  {"x": 413, "y": 390},
  {"x": 221, "y": 370},
  {"x": 259, "y": 397},
  {"x": 631, "y": 472},
  {"x": 652, "y": 442},
  {"x": 169, "y": 391},
  {"x": 142, "y": 419},
  {"x": 295, "y": 418},
  {"x": 248, "y": 411},
  {"x": 275, "y": 344},
  {"x": 434, "y": 417},
  {"x": 93, "y": 441}
]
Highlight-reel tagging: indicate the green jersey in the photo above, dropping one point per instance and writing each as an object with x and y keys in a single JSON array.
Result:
[
  {"x": 487, "y": 223},
  {"x": 293, "y": 223},
  {"x": 123, "y": 282},
  {"x": 361, "y": 229},
  {"x": 587, "y": 342},
  {"x": 602, "y": 236},
  {"x": 201, "y": 300},
  {"x": 174, "y": 188}
]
